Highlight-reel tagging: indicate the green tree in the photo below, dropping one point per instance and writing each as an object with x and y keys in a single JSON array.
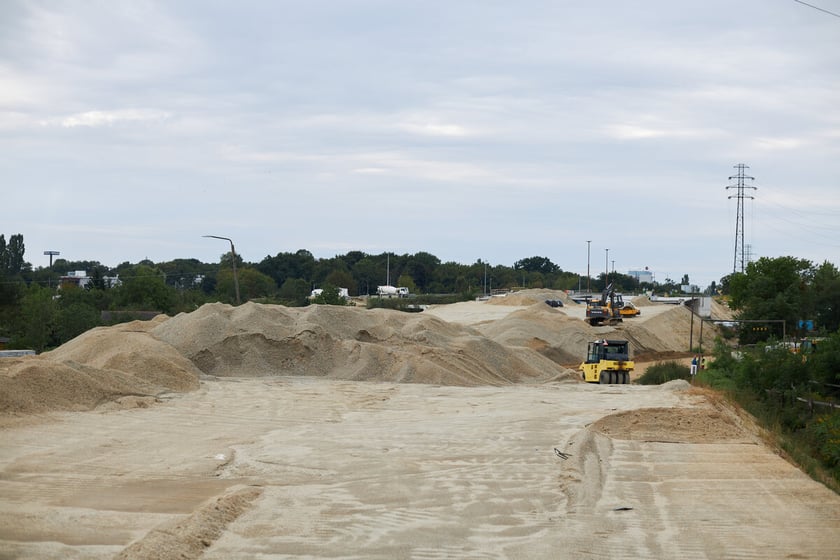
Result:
[
  {"x": 366, "y": 275},
  {"x": 329, "y": 296},
  {"x": 79, "y": 309},
  {"x": 253, "y": 284},
  {"x": 11, "y": 255},
  {"x": 536, "y": 264},
  {"x": 771, "y": 289},
  {"x": 144, "y": 288},
  {"x": 450, "y": 278},
  {"x": 37, "y": 320},
  {"x": 421, "y": 267},
  {"x": 342, "y": 279},
  {"x": 288, "y": 265},
  {"x": 294, "y": 291},
  {"x": 74, "y": 319},
  {"x": 406, "y": 281},
  {"x": 826, "y": 297}
]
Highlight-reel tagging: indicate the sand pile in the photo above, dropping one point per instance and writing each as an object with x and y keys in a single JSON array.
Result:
[
  {"x": 674, "y": 425},
  {"x": 344, "y": 343},
  {"x": 101, "y": 366},
  {"x": 531, "y": 296},
  {"x": 547, "y": 330}
]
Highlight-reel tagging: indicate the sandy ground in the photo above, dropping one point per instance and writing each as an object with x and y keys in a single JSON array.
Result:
[{"x": 318, "y": 467}]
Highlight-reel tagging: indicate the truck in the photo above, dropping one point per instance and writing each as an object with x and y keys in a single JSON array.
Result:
[
  {"x": 607, "y": 362},
  {"x": 391, "y": 291}
]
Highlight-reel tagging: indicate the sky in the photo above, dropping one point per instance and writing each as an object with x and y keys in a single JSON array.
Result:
[{"x": 598, "y": 134}]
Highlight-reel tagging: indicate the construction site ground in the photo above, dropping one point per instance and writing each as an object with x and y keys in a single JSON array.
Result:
[{"x": 354, "y": 433}]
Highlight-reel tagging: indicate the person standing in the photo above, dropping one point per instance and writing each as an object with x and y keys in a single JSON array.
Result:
[{"x": 693, "y": 370}]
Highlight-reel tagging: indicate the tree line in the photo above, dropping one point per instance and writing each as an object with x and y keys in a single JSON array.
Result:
[
  {"x": 32, "y": 315},
  {"x": 36, "y": 313}
]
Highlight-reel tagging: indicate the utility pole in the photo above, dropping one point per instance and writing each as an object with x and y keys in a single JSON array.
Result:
[
  {"x": 588, "y": 285},
  {"x": 739, "y": 195}
]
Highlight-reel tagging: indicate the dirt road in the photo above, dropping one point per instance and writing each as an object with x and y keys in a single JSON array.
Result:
[{"x": 373, "y": 470}]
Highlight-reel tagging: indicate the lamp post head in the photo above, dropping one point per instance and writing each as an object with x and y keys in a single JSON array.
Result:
[{"x": 219, "y": 237}]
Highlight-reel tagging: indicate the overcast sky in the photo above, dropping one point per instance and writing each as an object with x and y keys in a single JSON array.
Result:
[{"x": 492, "y": 130}]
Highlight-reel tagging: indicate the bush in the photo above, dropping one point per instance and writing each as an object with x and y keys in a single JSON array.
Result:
[
  {"x": 664, "y": 372},
  {"x": 826, "y": 432}
]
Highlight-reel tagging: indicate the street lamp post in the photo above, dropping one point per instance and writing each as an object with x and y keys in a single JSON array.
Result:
[
  {"x": 588, "y": 285},
  {"x": 607, "y": 270},
  {"x": 233, "y": 259}
]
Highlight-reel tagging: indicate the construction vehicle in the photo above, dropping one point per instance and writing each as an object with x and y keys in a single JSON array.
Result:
[
  {"x": 606, "y": 310},
  {"x": 629, "y": 310},
  {"x": 391, "y": 291},
  {"x": 607, "y": 362}
]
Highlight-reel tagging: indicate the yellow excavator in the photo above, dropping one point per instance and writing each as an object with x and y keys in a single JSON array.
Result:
[
  {"x": 607, "y": 310},
  {"x": 607, "y": 362}
]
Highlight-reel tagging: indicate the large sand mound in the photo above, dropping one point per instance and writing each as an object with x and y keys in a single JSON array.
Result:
[
  {"x": 344, "y": 343},
  {"x": 142, "y": 360}
]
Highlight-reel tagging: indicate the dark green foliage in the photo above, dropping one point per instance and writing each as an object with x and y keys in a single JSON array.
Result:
[
  {"x": 783, "y": 390},
  {"x": 784, "y": 289},
  {"x": 74, "y": 319},
  {"x": 536, "y": 264},
  {"x": 294, "y": 292},
  {"x": 288, "y": 265},
  {"x": 663, "y": 372},
  {"x": 826, "y": 433},
  {"x": 11, "y": 255},
  {"x": 329, "y": 296},
  {"x": 144, "y": 288},
  {"x": 35, "y": 328}
]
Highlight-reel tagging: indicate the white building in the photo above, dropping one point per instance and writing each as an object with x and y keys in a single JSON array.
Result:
[
  {"x": 81, "y": 279},
  {"x": 642, "y": 276}
]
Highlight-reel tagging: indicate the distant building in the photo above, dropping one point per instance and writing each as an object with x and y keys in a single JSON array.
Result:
[
  {"x": 81, "y": 279},
  {"x": 78, "y": 278},
  {"x": 642, "y": 276}
]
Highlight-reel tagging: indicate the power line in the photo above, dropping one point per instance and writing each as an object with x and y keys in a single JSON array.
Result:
[{"x": 817, "y": 8}]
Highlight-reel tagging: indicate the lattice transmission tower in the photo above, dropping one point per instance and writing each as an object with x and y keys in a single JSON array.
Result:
[{"x": 740, "y": 188}]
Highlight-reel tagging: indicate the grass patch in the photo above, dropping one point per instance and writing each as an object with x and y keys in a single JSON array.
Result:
[{"x": 658, "y": 374}]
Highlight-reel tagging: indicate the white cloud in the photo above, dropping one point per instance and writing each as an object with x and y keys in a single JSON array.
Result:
[
  {"x": 641, "y": 132},
  {"x": 775, "y": 144},
  {"x": 108, "y": 118},
  {"x": 434, "y": 129}
]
